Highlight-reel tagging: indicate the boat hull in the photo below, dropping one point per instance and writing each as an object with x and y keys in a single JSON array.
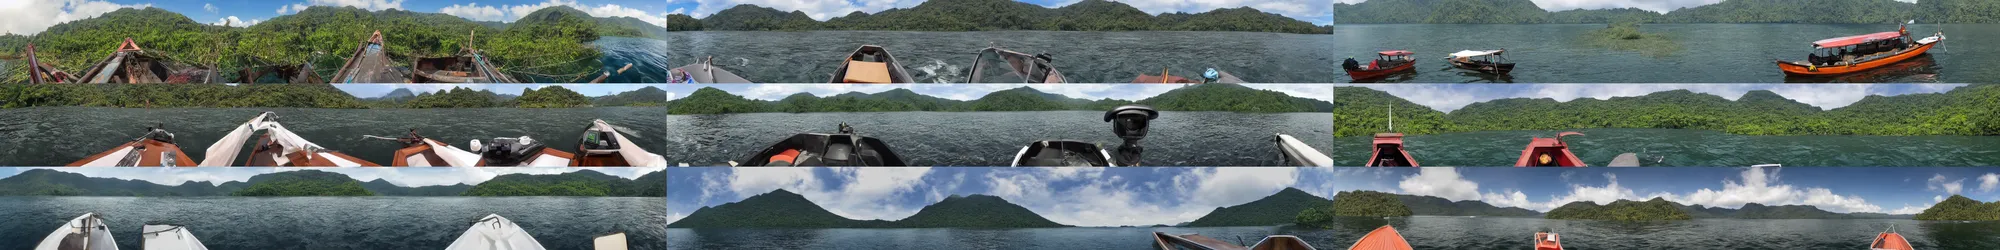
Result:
[
  {"x": 1383, "y": 238},
  {"x": 1891, "y": 241},
  {"x": 1796, "y": 69},
  {"x": 1489, "y": 68},
  {"x": 1365, "y": 74}
]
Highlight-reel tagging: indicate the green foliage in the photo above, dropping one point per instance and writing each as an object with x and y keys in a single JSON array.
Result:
[
  {"x": 1231, "y": 97},
  {"x": 1960, "y": 208},
  {"x": 1655, "y": 209},
  {"x": 1626, "y": 36},
  {"x": 975, "y": 211},
  {"x": 647, "y": 96},
  {"x": 456, "y": 97},
  {"x": 1796, "y": 11},
  {"x": 709, "y": 100},
  {"x": 1200, "y": 97},
  {"x": 303, "y": 183},
  {"x": 1968, "y": 110},
  {"x": 550, "y": 97},
  {"x": 175, "y": 96},
  {"x": 579, "y": 183},
  {"x": 777, "y": 209},
  {"x": 1276, "y": 209},
  {"x": 46, "y": 182},
  {"x": 986, "y": 15},
  {"x": 1432, "y": 205},
  {"x": 1363, "y": 203}
]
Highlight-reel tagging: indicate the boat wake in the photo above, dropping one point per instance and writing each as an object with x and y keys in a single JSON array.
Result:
[{"x": 939, "y": 71}]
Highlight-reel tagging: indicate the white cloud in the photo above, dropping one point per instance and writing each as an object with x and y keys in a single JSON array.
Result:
[
  {"x": 1661, "y": 6},
  {"x": 475, "y": 12},
  {"x": 1940, "y": 183},
  {"x": 28, "y": 17},
  {"x": 1231, "y": 186},
  {"x": 1909, "y": 209},
  {"x": 861, "y": 197},
  {"x": 232, "y": 21},
  {"x": 509, "y": 13},
  {"x": 208, "y": 7},
  {"x": 1441, "y": 182},
  {"x": 1988, "y": 182},
  {"x": 672, "y": 217}
]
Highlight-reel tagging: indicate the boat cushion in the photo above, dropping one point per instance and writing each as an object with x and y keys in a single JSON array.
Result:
[{"x": 867, "y": 72}]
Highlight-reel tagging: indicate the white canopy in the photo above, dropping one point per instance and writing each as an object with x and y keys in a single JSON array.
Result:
[
  {"x": 1473, "y": 53},
  {"x": 223, "y": 152}
]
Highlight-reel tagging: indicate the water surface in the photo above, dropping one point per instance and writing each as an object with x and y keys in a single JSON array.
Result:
[
  {"x": 1687, "y": 147},
  {"x": 1083, "y": 56}
]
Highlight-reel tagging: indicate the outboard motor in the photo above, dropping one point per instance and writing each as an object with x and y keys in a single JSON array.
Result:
[
  {"x": 1129, "y": 122},
  {"x": 507, "y": 151},
  {"x": 1350, "y": 64}
]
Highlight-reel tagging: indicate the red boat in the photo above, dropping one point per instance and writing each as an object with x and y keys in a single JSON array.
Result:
[
  {"x": 1850, "y": 54},
  {"x": 1549, "y": 152},
  {"x": 1547, "y": 241},
  {"x": 1890, "y": 240},
  {"x": 1385, "y": 63},
  {"x": 1389, "y": 152}
]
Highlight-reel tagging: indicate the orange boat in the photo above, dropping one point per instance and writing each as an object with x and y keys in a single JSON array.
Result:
[
  {"x": 1385, "y": 63},
  {"x": 1850, "y": 54},
  {"x": 1547, "y": 241},
  {"x": 1890, "y": 240},
  {"x": 1549, "y": 152},
  {"x": 155, "y": 149},
  {"x": 1383, "y": 238},
  {"x": 1389, "y": 152}
]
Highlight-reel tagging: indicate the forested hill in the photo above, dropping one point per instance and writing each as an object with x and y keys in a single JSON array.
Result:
[
  {"x": 784, "y": 209},
  {"x": 1968, "y": 110},
  {"x": 1727, "y": 11},
  {"x": 987, "y": 15},
  {"x": 1199, "y": 97},
  {"x": 550, "y": 41}
]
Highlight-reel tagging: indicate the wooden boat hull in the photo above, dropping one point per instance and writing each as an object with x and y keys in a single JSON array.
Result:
[
  {"x": 1796, "y": 69},
  {"x": 1892, "y": 241},
  {"x": 151, "y": 153},
  {"x": 1389, "y": 152},
  {"x": 1559, "y": 154},
  {"x": 271, "y": 154},
  {"x": 1365, "y": 74},
  {"x": 1383, "y": 238},
  {"x": 1489, "y": 68},
  {"x": 894, "y": 69}
]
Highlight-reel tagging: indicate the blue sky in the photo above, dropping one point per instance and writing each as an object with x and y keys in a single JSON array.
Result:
[
  {"x": 407, "y": 177},
  {"x": 1449, "y": 97},
  {"x": 1147, "y": 196},
  {"x": 964, "y": 92},
  {"x": 33, "y": 16},
  {"x": 1314, "y": 11}
]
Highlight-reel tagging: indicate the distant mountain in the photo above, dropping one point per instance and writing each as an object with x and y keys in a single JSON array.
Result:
[
  {"x": 1201, "y": 97},
  {"x": 303, "y": 183},
  {"x": 385, "y": 188},
  {"x": 1232, "y": 97},
  {"x": 987, "y": 15},
  {"x": 1364, "y": 203},
  {"x": 1432, "y": 205},
  {"x": 647, "y": 96},
  {"x": 45, "y": 182},
  {"x": 579, "y": 183},
  {"x": 1959, "y": 208},
  {"x": 1030, "y": 99},
  {"x": 975, "y": 211},
  {"x": 1278, "y": 208},
  {"x": 639, "y": 27},
  {"x": 1955, "y": 112},
  {"x": 1621, "y": 210},
  {"x": 549, "y": 97},
  {"x": 776, "y": 209}
]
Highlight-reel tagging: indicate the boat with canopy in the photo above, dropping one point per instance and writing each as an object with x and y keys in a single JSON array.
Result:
[
  {"x": 1482, "y": 61},
  {"x": 1851, "y": 54},
  {"x": 1386, "y": 63}
]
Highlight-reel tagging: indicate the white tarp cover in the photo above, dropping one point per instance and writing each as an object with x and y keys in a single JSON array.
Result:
[
  {"x": 495, "y": 233},
  {"x": 224, "y": 152},
  {"x": 1473, "y": 53}
]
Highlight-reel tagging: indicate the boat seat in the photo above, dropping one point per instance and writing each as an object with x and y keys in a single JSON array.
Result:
[
  {"x": 867, "y": 72},
  {"x": 839, "y": 152}
]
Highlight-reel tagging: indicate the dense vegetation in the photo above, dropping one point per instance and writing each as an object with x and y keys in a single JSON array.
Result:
[
  {"x": 550, "y": 43},
  {"x": 303, "y": 183},
  {"x": 1365, "y": 203},
  {"x": 175, "y": 96},
  {"x": 1960, "y": 208},
  {"x": 1761, "y": 211},
  {"x": 1200, "y": 97},
  {"x": 1276, "y": 209},
  {"x": 986, "y": 15},
  {"x": 1626, "y": 36},
  {"x": 550, "y": 97},
  {"x": 647, "y": 96},
  {"x": 1433, "y": 205},
  {"x": 1969, "y": 110},
  {"x": 975, "y": 211},
  {"x": 579, "y": 183},
  {"x": 39, "y": 182},
  {"x": 1728, "y": 11},
  {"x": 1621, "y": 210}
]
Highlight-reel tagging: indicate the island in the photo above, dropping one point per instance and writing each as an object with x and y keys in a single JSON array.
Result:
[
  {"x": 1959, "y": 208},
  {"x": 785, "y": 209},
  {"x": 1656, "y": 209},
  {"x": 1290, "y": 205},
  {"x": 1199, "y": 97},
  {"x": 1276, "y": 209},
  {"x": 303, "y": 183},
  {"x": 1361, "y": 111},
  {"x": 990, "y": 15}
]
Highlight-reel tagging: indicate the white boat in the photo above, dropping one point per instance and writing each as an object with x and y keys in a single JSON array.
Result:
[
  {"x": 614, "y": 241},
  {"x": 603, "y": 146},
  {"x": 1062, "y": 153},
  {"x": 169, "y": 237},
  {"x": 86, "y": 232},
  {"x": 1297, "y": 153},
  {"x": 278, "y": 147},
  {"x": 495, "y": 233}
]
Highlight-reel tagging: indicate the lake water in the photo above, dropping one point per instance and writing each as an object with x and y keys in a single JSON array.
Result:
[
  {"x": 1421, "y": 232},
  {"x": 1710, "y": 53},
  {"x": 648, "y": 58},
  {"x": 340, "y": 223},
  {"x": 1682, "y": 147},
  {"x": 55, "y": 136},
  {"x": 992, "y": 138},
  {"x": 1096, "y": 57}
]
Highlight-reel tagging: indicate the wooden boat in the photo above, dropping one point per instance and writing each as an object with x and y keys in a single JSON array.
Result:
[
  {"x": 1549, "y": 152},
  {"x": 1850, "y": 54},
  {"x": 419, "y": 151},
  {"x": 469, "y": 66},
  {"x": 132, "y": 64},
  {"x": 1383, "y": 238},
  {"x": 1210, "y": 76},
  {"x": 871, "y": 64},
  {"x": 603, "y": 146},
  {"x": 613, "y": 241},
  {"x": 1298, "y": 153},
  {"x": 816, "y": 149},
  {"x": 87, "y": 232},
  {"x": 39, "y": 72},
  {"x": 1890, "y": 240},
  {"x": 370, "y": 64},
  {"x": 1547, "y": 241},
  {"x": 169, "y": 237},
  {"x": 154, "y": 149},
  {"x": 495, "y": 233},
  {"x": 276, "y": 147},
  {"x": 296, "y": 73},
  {"x": 1385, "y": 64},
  {"x": 1389, "y": 152},
  {"x": 703, "y": 72},
  {"x": 1062, "y": 153},
  {"x": 996, "y": 65},
  {"x": 1482, "y": 61},
  {"x": 1281, "y": 242}
]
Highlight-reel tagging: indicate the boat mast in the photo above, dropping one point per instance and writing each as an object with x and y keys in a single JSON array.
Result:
[{"x": 1392, "y": 118}]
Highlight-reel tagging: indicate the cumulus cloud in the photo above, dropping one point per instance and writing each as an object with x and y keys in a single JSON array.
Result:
[
  {"x": 232, "y": 21},
  {"x": 1988, "y": 182},
  {"x": 475, "y": 12},
  {"x": 1941, "y": 183},
  {"x": 208, "y": 7},
  {"x": 509, "y": 13},
  {"x": 1441, "y": 182},
  {"x": 28, "y": 17}
]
